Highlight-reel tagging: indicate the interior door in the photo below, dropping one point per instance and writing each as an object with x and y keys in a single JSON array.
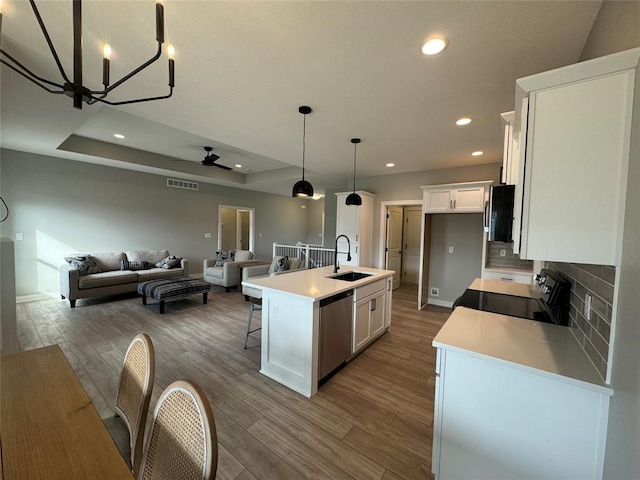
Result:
[
  {"x": 412, "y": 241},
  {"x": 394, "y": 243}
]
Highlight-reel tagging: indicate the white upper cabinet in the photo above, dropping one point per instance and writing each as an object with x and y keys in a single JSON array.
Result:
[
  {"x": 510, "y": 150},
  {"x": 356, "y": 222},
  {"x": 576, "y": 157},
  {"x": 456, "y": 197}
]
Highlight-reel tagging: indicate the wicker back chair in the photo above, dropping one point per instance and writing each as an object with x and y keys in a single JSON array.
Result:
[
  {"x": 132, "y": 400},
  {"x": 182, "y": 442}
]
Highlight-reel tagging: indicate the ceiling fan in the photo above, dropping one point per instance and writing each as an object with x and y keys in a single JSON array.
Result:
[{"x": 210, "y": 159}]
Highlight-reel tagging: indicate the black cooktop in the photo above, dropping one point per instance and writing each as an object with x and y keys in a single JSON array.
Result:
[{"x": 523, "y": 307}]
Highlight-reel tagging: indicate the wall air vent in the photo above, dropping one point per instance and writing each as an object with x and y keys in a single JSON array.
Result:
[{"x": 175, "y": 183}]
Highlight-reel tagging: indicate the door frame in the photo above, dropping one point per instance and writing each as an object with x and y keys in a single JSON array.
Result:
[
  {"x": 382, "y": 257},
  {"x": 252, "y": 224}
]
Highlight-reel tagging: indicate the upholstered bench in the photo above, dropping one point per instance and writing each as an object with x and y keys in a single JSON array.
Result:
[{"x": 175, "y": 287}]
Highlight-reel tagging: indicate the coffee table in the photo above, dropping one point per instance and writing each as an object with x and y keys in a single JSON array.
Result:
[{"x": 174, "y": 287}]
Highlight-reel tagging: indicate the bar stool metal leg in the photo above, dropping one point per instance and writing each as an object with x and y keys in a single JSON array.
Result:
[{"x": 253, "y": 306}]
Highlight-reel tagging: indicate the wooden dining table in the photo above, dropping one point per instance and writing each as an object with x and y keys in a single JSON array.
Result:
[{"x": 49, "y": 429}]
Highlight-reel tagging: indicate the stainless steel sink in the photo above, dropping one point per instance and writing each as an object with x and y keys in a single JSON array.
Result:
[{"x": 351, "y": 276}]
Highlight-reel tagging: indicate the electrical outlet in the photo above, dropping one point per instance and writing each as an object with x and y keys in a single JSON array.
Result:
[
  {"x": 435, "y": 292},
  {"x": 207, "y": 235},
  {"x": 503, "y": 252},
  {"x": 19, "y": 236},
  {"x": 587, "y": 306},
  {"x": 450, "y": 249}
]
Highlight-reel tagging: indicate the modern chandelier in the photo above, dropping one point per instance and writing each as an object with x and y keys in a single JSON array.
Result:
[
  {"x": 302, "y": 188},
  {"x": 75, "y": 89}
]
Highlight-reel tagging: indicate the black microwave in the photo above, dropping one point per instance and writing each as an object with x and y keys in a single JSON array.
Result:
[{"x": 501, "y": 213}]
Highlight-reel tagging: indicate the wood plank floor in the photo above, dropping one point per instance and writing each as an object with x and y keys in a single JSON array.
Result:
[{"x": 371, "y": 421}]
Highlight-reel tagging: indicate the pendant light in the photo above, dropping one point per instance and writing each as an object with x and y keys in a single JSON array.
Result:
[
  {"x": 302, "y": 188},
  {"x": 353, "y": 198}
]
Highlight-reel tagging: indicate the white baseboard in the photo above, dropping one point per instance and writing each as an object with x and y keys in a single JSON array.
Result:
[
  {"x": 37, "y": 296},
  {"x": 439, "y": 303}
]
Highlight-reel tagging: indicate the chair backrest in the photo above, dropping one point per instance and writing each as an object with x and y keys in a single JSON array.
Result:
[
  {"x": 134, "y": 392},
  {"x": 182, "y": 442}
]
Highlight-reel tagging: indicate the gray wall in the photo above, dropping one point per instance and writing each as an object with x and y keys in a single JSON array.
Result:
[
  {"x": 453, "y": 272},
  {"x": 62, "y": 206},
  {"x": 405, "y": 186}
]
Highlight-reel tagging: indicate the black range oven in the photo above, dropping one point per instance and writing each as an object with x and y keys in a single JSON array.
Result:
[{"x": 551, "y": 307}]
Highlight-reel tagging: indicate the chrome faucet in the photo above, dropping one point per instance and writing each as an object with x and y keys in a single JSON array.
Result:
[{"x": 336, "y": 267}]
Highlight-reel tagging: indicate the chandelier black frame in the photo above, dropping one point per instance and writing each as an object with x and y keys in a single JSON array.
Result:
[{"x": 75, "y": 89}]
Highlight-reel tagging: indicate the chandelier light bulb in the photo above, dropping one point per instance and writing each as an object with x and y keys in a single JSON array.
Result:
[
  {"x": 171, "y": 51},
  {"x": 106, "y": 51}
]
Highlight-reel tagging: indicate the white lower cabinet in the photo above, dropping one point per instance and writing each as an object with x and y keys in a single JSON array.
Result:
[
  {"x": 369, "y": 316},
  {"x": 494, "y": 420}
]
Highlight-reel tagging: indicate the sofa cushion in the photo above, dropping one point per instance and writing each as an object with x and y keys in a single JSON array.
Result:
[
  {"x": 133, "y": 266},
  {"x": 106, "y": 279},
  {"x": 243, "y": 255},
  {"x": 215, "y": 272},
  {"x": 109, "y": 261},
  {"x": 170, "y": 262},
  {"x": 150, "y": 256},
  {"x": 157, "y": 273},
  {"x": 295, "y": 263},
  {"x": 85, "y": 264},
  {"x": 224, "y": 256}
]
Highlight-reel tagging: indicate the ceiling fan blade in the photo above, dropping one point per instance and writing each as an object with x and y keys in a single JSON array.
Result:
[{"x": 224, "y": 167}]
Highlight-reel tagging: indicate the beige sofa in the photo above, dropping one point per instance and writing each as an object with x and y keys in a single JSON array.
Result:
[
  {"x": 226, "y": 274},
  {"x": 110, "y": 277}
]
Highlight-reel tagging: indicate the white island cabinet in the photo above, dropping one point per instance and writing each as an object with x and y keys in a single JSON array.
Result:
[
  {"x": 291, "y": 319},
  {"x": 515, "y": 399}
]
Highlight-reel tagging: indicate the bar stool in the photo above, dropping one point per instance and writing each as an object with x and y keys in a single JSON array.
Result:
[{"x": 256, "y": 304}]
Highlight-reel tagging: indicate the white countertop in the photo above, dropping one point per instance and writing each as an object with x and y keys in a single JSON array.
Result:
[
  {"x": 540, "y": 348},
  {"x": 506, "y": 288},
  {"x": 315, "y": 283}
]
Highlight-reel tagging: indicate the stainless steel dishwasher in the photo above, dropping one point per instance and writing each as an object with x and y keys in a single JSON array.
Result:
[{"x": 335, "y": 332}]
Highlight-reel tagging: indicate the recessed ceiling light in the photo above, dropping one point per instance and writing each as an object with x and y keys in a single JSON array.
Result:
[
  {"x": 463, "y": 121},
  {"x": 118, "y": 135},
  {"x": 390, "y": 165},
  {"x": 434, "y": 45},
  {"x": 238, "y": 165},
  {"x": 477, "y": 153}
]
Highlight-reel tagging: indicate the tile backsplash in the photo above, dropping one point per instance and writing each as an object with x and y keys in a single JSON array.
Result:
[
  {"x": 593, "y": 333},
  {"x": 509, "y": 260}
]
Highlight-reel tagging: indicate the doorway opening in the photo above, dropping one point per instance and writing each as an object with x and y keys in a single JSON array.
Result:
[
  {"x": 236, "y": 226},
  {"x": 400, "y": 240}
]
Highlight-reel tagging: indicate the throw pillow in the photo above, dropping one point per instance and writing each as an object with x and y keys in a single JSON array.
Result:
[
  {"x": 224, "y": 256},
  {"x": 172, "y": 262},
  {"x": 127, "y": 265},
  {"x": 281, "y": 265},
  {"x": 85, "y": 264}
]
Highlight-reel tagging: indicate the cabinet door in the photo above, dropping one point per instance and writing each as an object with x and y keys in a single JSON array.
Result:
[
  {"x": 377, "y": 310},
  {"x": 575, "y": 174},
  {"x": 361, "y": 331},
  {"x": 438, "y": 201},
  {"x": 469, "y": 199},
  {"x": 348, "y": 220}
]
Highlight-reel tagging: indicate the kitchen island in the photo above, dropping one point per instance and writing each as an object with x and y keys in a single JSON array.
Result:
[
  {"x": 291, "y": 319},
  {"x": 515, "y": 398}
]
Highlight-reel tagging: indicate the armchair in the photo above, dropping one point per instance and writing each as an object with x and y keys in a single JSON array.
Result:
[{"x": 226, "y": 275}]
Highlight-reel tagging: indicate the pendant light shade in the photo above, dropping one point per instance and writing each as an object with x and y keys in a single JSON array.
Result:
[
  {"x": 302, "y": 188},
  {"x": 353, "y": 198}
]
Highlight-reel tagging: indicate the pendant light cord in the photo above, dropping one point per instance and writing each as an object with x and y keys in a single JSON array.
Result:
[
  {"x": 304, "y": 140},
  {"x": 355, "y": 147}
]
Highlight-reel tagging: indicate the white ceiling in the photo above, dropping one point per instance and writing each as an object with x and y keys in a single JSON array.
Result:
[{"x": 244, "y": 67}]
